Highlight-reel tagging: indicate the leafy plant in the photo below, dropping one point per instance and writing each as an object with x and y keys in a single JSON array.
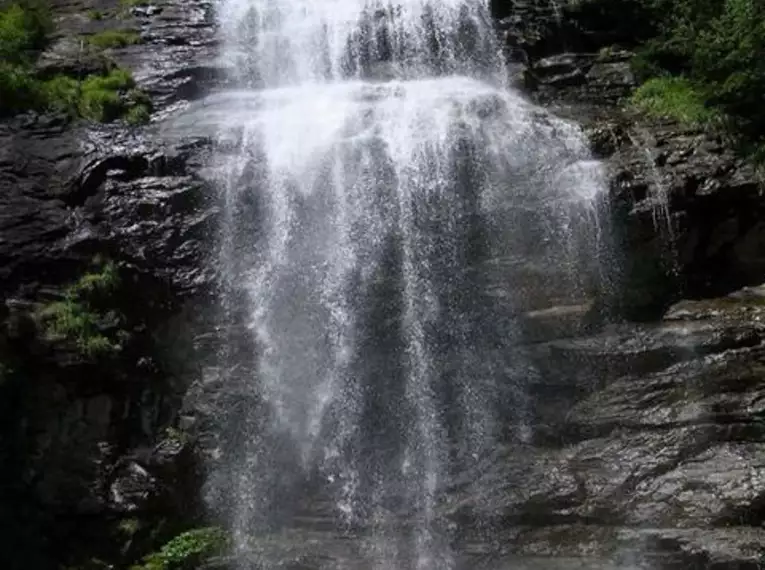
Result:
[
  {"x": 19, "y": 90},
  {"x": 713, "y": 51},
  {"x": 187, "y": 550},
  {"x": 24, "y": 27},
  {"x": 61, "y": 93},
  {"x": 80, "y": 316},
  {"x": 105, "y": 96}
]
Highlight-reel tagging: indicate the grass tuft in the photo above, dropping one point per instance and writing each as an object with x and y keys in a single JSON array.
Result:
[
  {"x": 110, "y": 39},
  {"x": 674, "y": 98}
]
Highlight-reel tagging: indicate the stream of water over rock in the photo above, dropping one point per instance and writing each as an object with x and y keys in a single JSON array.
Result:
[{"x": 391, "y": 208}]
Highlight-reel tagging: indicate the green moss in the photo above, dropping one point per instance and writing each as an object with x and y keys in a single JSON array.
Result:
[
  {"x": 80, "y": 318},
  {"x": 187, "y": 550},
  {"x": 100, "y": 105},
  {"x": 675, "y": 98},
  {"x": 114, "y": 39},
  {"x": 95, "y": 15}
]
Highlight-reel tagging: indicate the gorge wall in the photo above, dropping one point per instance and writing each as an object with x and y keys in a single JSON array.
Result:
[{"x": 648, "y": 434}]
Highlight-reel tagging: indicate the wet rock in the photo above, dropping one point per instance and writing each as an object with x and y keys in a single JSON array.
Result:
[
  {"x": 681, "y": 197},
  {"x": 75, "y": 428},
  {"x": 131, "y": 488},
  {"x": 649, "y": 447}
]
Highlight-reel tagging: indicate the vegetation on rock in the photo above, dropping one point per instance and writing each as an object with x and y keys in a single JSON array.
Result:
[
  {"x": 81, "y": 317},
  {"x": 114, "y": 39},
  {"x": 104, "y": 96},
  {"x": 674, "y": 97},
  {"x": 24, "y": 28},
  {"x": 705, "y": 53},
  {"x": 187, "y": 550}
]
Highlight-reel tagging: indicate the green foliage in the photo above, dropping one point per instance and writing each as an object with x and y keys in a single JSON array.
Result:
[
  {"x": 99, "y": 284},
  {"x": 187, "y": 550},
  {"x": 139, "y": 107},
  {"x": 100, "y": 98},
  {"x": 114, "y": 39},
  {"x": 19, "y": 90},
  {"x": 100, "y": 95},
  {"x": 718, "y": 46},
  {"x": 675, "y": 98},
  {"x": 80, "y": 316},
  {"x": 95, "y": 15},
  {"x": 138, "y": 115},
  {"x": 730, "y": 58},
  {"x": 24, "y": 27},
  {"x": 61, "y": 93}
]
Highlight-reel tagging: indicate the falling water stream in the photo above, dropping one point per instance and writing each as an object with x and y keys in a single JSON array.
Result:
[{"x": 391, "y": 210}]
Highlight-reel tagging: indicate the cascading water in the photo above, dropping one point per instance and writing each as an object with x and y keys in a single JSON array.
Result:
[{"x": 391, "y": 210}]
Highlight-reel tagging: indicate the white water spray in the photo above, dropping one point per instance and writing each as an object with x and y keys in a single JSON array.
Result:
[{"x": 386, "y": 199}]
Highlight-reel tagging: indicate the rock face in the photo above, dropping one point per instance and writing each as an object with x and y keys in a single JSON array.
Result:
[
  {"x": 93, "y": 469},
  {"x": 659, "y": 464}
]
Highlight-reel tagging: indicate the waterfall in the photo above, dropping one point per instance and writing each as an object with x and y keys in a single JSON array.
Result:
[{"x": 391, "y": 210}]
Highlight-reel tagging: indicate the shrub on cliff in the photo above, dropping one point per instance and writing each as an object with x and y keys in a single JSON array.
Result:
[
  {"x": 676, "y": 98},
  {"x": 83, "y": 316},
  {"x": 730, "y": 58},
  {"x": 105, "y": 96},
  {"x": 24, "y": 28},
  {"x": 715, "y": 46}
]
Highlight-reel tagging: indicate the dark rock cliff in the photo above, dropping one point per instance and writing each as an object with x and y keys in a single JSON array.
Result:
[
  {"x": 651, "y": 450},
  {"x": 93, "y": 467}
]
